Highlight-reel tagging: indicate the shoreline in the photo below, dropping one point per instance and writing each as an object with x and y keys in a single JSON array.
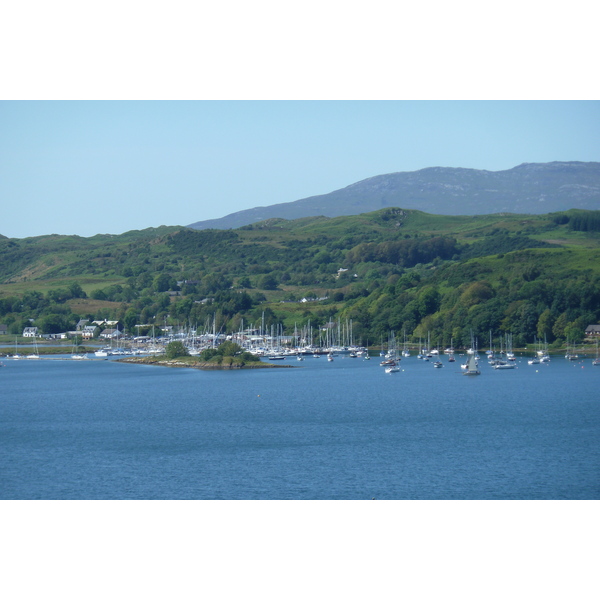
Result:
[{"x": 177, "y": 363}]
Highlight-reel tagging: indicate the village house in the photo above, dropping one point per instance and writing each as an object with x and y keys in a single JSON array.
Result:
[
  {"x": 56, "y": 336},
  {"x": 104, "y": 323},
  {"x": 592, "y": 331},
  {"x": 30, "y": 332},
  {"x": 187, "y": 282},
  {"x": 3, "y": 329},
  {"x": 88, "y": 331},
  {"x": 110, "y": 334}
]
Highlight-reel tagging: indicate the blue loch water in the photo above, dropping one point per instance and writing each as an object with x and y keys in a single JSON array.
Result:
[{"x": 321, "y": 430}]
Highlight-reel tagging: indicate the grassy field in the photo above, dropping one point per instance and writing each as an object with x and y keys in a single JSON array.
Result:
[{"x": 88, "y": 284}]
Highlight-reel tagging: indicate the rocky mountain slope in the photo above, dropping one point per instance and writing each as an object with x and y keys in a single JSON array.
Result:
[{"x": 530, "y": 188}]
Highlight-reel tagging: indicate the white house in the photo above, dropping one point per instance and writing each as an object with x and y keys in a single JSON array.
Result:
[
  {"x": 88, "y": 332},
  {"x": 57, "y": 336},
  {"x": 104, "y": 323},
  {"x": 30, "y": 332},
  {"x": 110, "y": 334}
]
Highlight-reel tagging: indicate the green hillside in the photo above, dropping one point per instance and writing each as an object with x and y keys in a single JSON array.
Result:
[{"x": 405, "y": 271}]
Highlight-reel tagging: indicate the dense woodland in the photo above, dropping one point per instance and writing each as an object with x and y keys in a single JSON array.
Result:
[{"x": 394, "y": 270}]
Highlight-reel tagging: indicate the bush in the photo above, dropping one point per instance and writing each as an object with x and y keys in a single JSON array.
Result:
[{"x": 207, "y": 354}]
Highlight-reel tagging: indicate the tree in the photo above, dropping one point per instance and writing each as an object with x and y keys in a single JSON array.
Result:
[
  {"x": 574, "y": 333},
  {"x": 267, "y": 282},
  {"x": 559, "y": 326},
  {"x": 130, "y": 319},
  {"x": 428, "y": 301},
  {"x": 98, "y": 294},
  {"x": 244, "y": 282},
  {"x": 229, "y": 349},
  {"x": 545, "y": 324},
  {"x": 163, "y": 282},
  {"x": 175, "y": 350},
  {"x": 76, "y": 291},
  {"x": 475, "y": 293},
  {"x": 53, "y": 323}
]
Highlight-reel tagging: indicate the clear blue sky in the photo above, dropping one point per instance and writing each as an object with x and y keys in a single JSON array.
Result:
[{"x": 87, "y": 167}]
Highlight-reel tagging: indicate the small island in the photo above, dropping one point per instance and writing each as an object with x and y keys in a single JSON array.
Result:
[{"x": 226, "y": 356}]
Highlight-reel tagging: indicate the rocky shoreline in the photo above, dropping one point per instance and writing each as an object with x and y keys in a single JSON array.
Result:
[{"x": 187, "y": 363}]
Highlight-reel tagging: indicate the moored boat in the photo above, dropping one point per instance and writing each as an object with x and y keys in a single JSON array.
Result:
[{"x": 471, "y": 367}]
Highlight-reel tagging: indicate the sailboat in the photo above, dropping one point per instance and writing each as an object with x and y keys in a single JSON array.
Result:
[
  {"x": 535, "y": 360},
  {"x": 596, "y": 361},
  {"x": 504, "y": 365},
  {"x": 571, "y": 355},
  {"x": 450, "y": 351},
  {"x": 405, "y": 350},
  {"x": 472, "y": 366},
  {"x": 74, "y": 354},
  {"x": 35, "y": 353},
  {"x": 391, "y": 358},
  {"x": 366, "y": 352},
  {"x": 16, "y": 355}
]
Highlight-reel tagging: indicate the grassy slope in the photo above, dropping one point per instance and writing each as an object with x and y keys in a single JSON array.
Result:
[{"x": 48, "y": 262}]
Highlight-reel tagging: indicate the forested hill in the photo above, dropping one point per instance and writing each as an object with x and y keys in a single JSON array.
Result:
[
  {"x": 392, "y": 270},
  {"x": 530, "y": 188}
]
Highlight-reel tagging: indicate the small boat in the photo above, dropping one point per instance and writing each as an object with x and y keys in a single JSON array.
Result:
[
  {"x": 390, "y": 362},
  {"x": 392, "y": 369},
  {"x": 504, "y": 365},
  {"x": 438, "y": 364}
]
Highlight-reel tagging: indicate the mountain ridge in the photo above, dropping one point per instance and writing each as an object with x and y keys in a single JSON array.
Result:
[{"x": 528, "y": 188}]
